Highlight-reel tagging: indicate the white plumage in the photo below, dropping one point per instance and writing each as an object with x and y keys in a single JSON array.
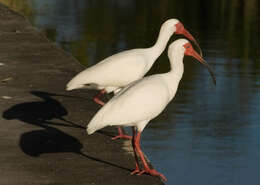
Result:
[
  {"x": 135, "y": 105},
  {"x": 117, "y": 71},
  {"x": 143, "y": 100}
]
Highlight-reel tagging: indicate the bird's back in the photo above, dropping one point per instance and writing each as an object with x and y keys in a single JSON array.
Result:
[
  {"x": 115, "y": 71},
  {"x": 141, "y": 100}
]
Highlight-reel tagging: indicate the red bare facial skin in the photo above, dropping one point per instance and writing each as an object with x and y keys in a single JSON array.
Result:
[
  {"x": 181, "y": 30},
  {"x": 191, "y": 52}
]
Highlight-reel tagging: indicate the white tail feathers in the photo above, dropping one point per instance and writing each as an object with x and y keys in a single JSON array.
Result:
[
  {"x": 99, "y": 121},
  {"x": 90, "y": 130},
  {"x": 94, "y": 126}
]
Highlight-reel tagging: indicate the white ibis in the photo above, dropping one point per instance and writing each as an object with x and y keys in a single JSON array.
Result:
[
  {"x": 117, "y": 71},
  {"x": 143, "y": 100}
]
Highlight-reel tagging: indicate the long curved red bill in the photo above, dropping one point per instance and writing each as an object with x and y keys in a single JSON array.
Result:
[
  {"x": 191, "y": 52},
  {"x": 181, "y": 30}
]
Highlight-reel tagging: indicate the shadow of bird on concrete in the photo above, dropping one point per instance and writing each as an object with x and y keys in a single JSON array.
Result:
[
  {"x": 40, "y": 112},
  {"x": 48, "y": 139}
]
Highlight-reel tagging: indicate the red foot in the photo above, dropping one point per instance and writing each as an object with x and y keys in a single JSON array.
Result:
[
  {"x": 141, "y": 172},
  {"x": 136, "y": 171},
  {"x": 153, "y": 172},
  {"x": 122, "y": 136}
]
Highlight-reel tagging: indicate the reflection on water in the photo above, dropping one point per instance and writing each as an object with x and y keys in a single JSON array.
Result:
[{"x": 208, "y": 135}]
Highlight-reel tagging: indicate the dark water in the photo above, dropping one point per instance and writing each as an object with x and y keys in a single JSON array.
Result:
[{"x": 208, "y": 135}]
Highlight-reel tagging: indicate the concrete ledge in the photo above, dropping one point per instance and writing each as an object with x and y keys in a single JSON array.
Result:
[{"x": 43, "y": 140}]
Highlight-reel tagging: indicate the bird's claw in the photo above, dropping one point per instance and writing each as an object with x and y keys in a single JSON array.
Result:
[
  {"x": 136, "y": 171},
  {"x": 141, "y": 172},
  {"x": 151, "y": 172},
  {"x": 122, "y": 136}
]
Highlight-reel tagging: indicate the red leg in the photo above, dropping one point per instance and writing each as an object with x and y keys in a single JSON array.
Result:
[
  {"x": 137, "y": 166},
  {"x": 121, "y": 134},
  {"x": 147, "y": 169},
  {"x": 96, "y": 98}
]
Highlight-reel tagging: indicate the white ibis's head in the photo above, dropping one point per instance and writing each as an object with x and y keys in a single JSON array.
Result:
[
  {"x": 171, "y": 24},
  {"x": 176, "y": 27},
  {"x": 183, "y": 47}
]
